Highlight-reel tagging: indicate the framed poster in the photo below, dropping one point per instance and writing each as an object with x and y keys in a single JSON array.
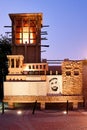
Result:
[{"x": 54, "y": 84}]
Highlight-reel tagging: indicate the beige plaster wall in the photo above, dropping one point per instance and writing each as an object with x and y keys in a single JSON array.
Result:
[{"x": 52, "y": 85}]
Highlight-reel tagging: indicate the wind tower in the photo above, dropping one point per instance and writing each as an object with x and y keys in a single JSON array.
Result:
[{"x": 26, "y": 36}]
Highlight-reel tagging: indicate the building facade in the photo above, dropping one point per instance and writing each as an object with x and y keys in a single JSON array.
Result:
[{"x": 31, "y": 79}]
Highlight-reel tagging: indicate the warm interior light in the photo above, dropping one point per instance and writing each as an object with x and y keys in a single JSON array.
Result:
[
  {"x": 26, "y": 36},
  {"x": 31, "y": 38}
]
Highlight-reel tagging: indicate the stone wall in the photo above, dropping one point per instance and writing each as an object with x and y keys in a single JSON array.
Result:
[
  {"x": 72, "y": 77},
  {"x": 84, "y": 75}
]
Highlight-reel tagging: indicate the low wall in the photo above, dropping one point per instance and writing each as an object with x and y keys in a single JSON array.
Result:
[{"x": 43, "y": 99}]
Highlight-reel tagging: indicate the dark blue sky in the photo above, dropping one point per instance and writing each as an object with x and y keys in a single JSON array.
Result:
[{"x": 67, "y": 34}]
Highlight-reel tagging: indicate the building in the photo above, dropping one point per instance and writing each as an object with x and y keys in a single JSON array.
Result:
[{"x": 31, "y": 79}]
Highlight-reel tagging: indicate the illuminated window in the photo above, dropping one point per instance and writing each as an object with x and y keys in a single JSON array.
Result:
[
  {"x": 25, "y": 32},
  {"x": 25, "y": 35}
]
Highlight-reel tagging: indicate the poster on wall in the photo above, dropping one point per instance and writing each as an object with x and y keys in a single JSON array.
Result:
[{"x": 54, "y": 84}]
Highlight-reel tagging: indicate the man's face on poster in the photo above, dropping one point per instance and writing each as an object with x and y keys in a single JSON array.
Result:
[{"x": 54, "y": 84}]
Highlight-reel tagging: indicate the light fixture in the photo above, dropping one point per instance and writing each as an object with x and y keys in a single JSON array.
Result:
[
  {"x": 19, "y": 112},
  {"x": 65, "y": 112}
]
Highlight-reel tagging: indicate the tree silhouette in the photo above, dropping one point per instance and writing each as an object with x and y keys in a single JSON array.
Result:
[{"x": 5, "y": 49}]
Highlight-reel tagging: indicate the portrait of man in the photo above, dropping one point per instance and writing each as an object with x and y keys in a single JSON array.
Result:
[{"x": 54, "y": 86}]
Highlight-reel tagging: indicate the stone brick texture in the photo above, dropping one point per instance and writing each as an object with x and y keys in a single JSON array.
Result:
[
  {"x": 84, "y": 81},
  {"x": 72, "y": 77}
]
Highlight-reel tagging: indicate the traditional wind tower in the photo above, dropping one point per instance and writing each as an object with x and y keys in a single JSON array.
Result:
[{"x": 26, "y": 36}]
